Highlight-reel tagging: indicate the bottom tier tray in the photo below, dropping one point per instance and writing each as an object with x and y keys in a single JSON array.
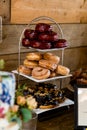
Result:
[
  {"x": 67, "y": 103},
  {"x": 44, "y": 114}
]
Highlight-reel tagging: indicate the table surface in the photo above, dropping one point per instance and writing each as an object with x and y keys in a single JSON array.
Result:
[{"x": 64, "y": 121}]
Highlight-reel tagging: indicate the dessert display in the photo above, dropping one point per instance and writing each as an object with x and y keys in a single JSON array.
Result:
[
  {"x": 42, "y": 66},
  {"x": 43, "y": 37},
  {"x": 43, "y": 95},
  {"x": 79, "y": 77}
]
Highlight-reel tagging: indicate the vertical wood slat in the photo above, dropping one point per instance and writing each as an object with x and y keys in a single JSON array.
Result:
[
  {"x": 64, "y": 11},
  {"x": 5, "y": 10}
]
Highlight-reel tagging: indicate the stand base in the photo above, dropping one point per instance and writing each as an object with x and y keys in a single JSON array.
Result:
[{"x": 55, "y": 112}]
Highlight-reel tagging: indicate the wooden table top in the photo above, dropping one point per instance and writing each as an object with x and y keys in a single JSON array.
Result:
[{"x": 64, "y": 121}]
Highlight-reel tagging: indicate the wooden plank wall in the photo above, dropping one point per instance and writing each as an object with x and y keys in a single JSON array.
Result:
[
  {"x": 5, "y": 10},
  {"x": 63, "y": 11},
  {"x": 76, "y": 34}
]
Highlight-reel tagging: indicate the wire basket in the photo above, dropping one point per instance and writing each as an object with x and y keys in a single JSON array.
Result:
[{"x": 43, "y": 19}]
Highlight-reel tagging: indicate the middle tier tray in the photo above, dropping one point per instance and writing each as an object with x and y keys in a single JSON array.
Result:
[{"x": 43, "y": 80}]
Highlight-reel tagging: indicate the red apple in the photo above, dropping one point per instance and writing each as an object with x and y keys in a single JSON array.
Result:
[
  {"x": 31, "y": 34},
  {"x": 25, "y": 42},
  {"x": 53, "y": 36},
  {"x": 44, "y": 37},
  {"x": 35, "y": 44},
  {"x": 45, "y": 45},
  {"x": 60, "y": 43},
  {"x": 43, "y": 27}
]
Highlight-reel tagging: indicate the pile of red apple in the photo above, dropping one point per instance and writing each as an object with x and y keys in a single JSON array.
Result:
[{"x": 42, "y": 37}]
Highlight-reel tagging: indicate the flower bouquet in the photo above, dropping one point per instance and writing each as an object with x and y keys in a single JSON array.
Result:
[
  {"x": 22, "y": 112},
  {"x": 16, "y": 110}
]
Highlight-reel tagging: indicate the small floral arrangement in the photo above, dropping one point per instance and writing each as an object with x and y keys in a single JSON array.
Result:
[{"x": 22, "y": 110}]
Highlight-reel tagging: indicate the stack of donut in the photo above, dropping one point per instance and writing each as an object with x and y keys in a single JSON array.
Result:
[{"x": 42, "y": 66}]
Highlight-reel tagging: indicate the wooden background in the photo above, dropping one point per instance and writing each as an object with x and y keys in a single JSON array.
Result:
[
  {"x": 76, "y": 34},
  {"x": 63, "y": 11}
]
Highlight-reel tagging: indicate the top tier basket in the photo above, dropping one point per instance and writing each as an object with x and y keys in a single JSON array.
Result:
[{"x": 43, "y": 19}]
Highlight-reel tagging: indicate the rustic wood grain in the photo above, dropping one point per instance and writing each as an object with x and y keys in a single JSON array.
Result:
[
  {"x": 64, "y": 11},
  {"x": 5, "y": 10},
  {"x": 76, "y": 35},
  {"x": 62, "y": 122}
]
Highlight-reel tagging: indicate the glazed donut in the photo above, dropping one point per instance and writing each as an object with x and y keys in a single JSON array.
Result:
[
  {"x": 24, "y": 70},
  {"x": 62, "y": 70},
  {"x": 46, "y": 106},
  {"x": 40, "y": 73},
  {"x": 47, "y": 64},
  {"x": 34, "y": 56},
  {"x": 52, "y": 57},
  {"x": 30, "y": 64}
]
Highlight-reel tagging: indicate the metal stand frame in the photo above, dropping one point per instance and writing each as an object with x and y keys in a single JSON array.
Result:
[{"x": 29, "y": 25}]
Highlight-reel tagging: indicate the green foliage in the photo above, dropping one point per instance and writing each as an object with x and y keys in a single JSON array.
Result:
[
  {"x": 13, "y": 117},
  {"x": 26, "y": 114},
  {"x": 20, "y": 90}
]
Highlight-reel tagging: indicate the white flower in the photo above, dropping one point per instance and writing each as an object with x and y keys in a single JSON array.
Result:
[{"x": 31, "y": 102}]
